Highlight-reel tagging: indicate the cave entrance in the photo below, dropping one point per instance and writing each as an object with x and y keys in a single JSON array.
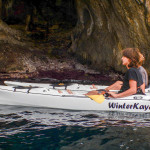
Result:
[
  {"x": 48, "y": 23},
  {"x": 42, "y": 15}
]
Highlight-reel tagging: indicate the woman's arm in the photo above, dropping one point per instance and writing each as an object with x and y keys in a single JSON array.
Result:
[
  {"x": 132, "y": 90},
  {"x": 116, "y": 86}
]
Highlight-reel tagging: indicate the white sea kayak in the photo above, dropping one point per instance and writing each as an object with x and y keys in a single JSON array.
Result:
[{"x": 39, "y": 95}]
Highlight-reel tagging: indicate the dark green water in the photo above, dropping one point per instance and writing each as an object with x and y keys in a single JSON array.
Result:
[{"x": 23, "y": 128}]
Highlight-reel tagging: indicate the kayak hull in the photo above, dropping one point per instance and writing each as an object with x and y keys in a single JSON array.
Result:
[{"x": 41, "y": 97}]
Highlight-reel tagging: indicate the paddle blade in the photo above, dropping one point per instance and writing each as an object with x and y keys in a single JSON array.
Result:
[{"x": 97, "y": 98}]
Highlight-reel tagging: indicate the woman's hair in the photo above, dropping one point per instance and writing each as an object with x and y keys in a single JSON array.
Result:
[{"x": 134, "y": 55}]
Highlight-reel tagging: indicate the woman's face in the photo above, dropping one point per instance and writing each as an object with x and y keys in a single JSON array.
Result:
[{"x": 125, "y": 61}]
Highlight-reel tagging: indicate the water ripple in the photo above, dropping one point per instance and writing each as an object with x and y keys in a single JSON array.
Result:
[
  {"x": 39, "y": 128},
  {"x": 23, "y": 118}
]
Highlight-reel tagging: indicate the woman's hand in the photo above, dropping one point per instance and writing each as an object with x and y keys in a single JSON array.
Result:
[
  {"x": 113, "y": 94},
  {"x": 92, "y": 93}
]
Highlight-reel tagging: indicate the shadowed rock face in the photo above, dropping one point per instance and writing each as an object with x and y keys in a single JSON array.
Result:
[{"x": 105, "y": 27}]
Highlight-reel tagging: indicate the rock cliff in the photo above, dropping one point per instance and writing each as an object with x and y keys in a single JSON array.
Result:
[
  {"x": 95, "y": 31},
  {"x": 105, "y": 27}
]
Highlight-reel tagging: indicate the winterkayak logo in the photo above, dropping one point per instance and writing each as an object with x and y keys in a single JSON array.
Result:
[{"x": 128, "y": 106}]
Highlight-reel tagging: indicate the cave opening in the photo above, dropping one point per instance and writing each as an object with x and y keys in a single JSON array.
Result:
[
  {"x": 40, "y": 18},
  {"x": 47, "y": 23}
]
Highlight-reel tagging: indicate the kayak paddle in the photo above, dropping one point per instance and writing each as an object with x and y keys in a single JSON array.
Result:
[{"x": 97, "y": 98}]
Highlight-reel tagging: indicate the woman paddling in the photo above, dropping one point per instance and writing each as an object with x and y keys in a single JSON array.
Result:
[
  {"x": 132, "y": 82},
  {"x": 118, "y": 84}
]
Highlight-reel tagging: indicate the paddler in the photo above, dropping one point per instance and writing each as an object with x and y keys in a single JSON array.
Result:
[
  {"x": 118, "y": 84},
  {"x": 132, "y": 82}
]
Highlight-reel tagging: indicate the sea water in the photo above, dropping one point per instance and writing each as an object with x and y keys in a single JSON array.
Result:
[{"x": 28, "y": 128}]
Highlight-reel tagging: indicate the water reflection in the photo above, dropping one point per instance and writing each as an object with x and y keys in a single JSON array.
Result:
[
  {"x": 51, "y": 118},
  {"x": 39, "y": 128}
]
